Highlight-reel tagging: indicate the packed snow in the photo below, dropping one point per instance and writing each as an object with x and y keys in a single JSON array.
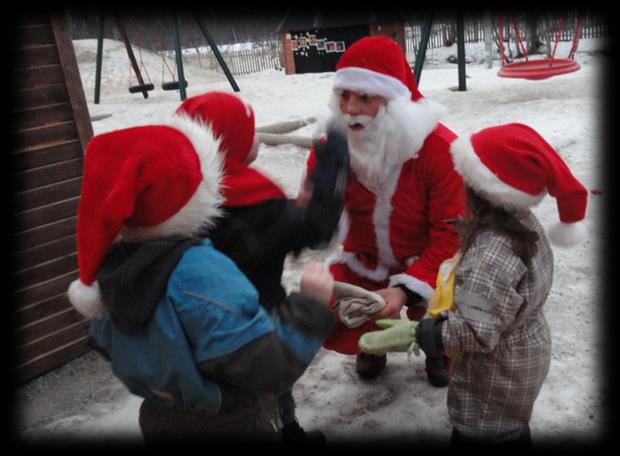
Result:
[{"x": 83, "y": 400}]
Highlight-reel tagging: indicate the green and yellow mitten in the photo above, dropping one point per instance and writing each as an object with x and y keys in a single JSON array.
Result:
[{"x": 397, "y": 336}]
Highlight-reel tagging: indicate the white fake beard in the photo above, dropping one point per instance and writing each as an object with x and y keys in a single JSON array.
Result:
[
  {"x": 393, "y": 136},
  {"x": 373, "y": 149},
  {"x": 368, "y": 148}
]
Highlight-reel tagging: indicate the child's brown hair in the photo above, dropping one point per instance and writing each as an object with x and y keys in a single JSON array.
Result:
[{"x": 485, "y": 215}]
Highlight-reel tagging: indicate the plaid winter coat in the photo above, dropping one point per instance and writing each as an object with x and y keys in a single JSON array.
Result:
[{"x": 499, "y": 335}]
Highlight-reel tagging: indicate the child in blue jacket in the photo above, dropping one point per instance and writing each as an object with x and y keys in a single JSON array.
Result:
[{"x": 180, "y": 323}]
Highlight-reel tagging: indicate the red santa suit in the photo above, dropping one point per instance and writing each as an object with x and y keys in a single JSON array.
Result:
[{"x": 397, "y": 233}]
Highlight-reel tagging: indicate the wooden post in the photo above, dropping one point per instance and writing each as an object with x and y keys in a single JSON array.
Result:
[
  {"x": 273, "y": 139},
  {"x": 287, "y": 54},
  {"x": 285, "y": 127},
  {"x": 62, "y": 35}
]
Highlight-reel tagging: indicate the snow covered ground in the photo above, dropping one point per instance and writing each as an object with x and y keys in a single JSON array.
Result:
[{"x": 83, "y": 400}]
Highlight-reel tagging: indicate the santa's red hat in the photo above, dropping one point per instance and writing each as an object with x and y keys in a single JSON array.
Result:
[
  {"x": 142, "y": 183},
  {"x": 513, "y": 167},
  {"x": 376, "y": 65}
]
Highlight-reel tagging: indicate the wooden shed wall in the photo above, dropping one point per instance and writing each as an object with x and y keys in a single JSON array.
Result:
[{"x": 50, "y": 126}]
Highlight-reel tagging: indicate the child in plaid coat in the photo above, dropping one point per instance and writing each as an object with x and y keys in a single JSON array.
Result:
[{"x": 497, "y": 330}]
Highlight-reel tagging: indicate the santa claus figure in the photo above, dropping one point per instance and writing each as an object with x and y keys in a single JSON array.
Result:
[{"x": 402, "y": 196}]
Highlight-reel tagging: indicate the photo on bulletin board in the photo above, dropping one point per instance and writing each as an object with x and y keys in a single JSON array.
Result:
[
  {"x": 340, "y": 46},
  {"x": 312, "y": 40},
  {"x": 303, "y": 42},
  {"x": 330, "y": 46},
  {"x": 294, "y": 44},
  {"x": 320, "y": 44}
]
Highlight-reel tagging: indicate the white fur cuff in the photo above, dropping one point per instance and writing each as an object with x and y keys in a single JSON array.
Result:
[
  {"x": 414, "y": 284},
  {"x": 85, "y": 298}
]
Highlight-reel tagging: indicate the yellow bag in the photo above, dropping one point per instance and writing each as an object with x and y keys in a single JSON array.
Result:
[{"x": 443, "y": 296}]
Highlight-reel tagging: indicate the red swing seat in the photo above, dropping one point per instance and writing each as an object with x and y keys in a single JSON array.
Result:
[{"x": 538, "y": 69}]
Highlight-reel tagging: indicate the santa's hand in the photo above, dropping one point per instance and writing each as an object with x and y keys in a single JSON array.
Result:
[
  {"x": 394, "y": 299},
  {"x": 317, "y": 281}
]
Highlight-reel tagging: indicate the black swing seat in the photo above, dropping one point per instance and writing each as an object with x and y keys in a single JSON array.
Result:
[
  {"x": 141, "y": 88},
  {"x": 172, "y": 85}
]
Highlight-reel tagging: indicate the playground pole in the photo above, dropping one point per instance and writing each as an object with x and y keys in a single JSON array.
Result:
[
  {"x": 460, "y": 41},
  {"x": 216, "y": 52},
  {"x": 99, "y": 57},
  {"x": 488, "y": 38},
  {"x": 132, "y": 57},
  {"x": 421, "y": 54},
  {"x": 178, "y": 56}
]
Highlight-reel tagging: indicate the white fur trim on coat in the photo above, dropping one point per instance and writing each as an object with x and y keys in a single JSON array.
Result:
[
  {"x": 381, "y": 218},
  {"x": 482, "y": 180},
  {"x": 411, "y": 123},
  {"x": 376, "y": 275},
  {"x": 415, "y": 285},
  {"x": 566, "y": 234},
  {"x": 369, "y": 82},
  {"x": 204, "y": 207},
  {"x": 85, "y": 298}
]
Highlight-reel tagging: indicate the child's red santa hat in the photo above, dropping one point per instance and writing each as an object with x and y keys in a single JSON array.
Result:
[
  {"x": 513, "y": 167},
  {"x": 232, "y": 121},
  {"x": 142, "y": 183},
  {"x": 376, "y": 65}
]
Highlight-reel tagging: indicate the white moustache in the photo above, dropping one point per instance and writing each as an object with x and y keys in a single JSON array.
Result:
[{"x": 357, "y": 120}]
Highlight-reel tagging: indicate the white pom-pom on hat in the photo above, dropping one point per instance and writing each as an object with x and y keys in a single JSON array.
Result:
[
  {"x": 85, "y": 298},
  {"x": 566, "y": 234}
]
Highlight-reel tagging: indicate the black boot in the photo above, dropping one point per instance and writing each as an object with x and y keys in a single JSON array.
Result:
[
  {"x": 438, "y": 370},
  {"x": 369, "y": 366},
  {"x": 293, "y": 434}
]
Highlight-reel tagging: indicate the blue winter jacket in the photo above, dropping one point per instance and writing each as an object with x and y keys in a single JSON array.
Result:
[{"x": 207, "y": 330}]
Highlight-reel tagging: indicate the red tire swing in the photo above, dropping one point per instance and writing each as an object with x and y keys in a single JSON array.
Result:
[{"x": 539, "y": 68}]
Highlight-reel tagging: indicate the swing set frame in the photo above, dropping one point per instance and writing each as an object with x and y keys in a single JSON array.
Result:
[{"x": 142, "y": 86}]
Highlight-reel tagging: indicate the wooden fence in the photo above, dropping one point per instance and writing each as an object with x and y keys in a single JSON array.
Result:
[
  {"x": 240, "y": 62},
  {"x": 443, "y": 32}
]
